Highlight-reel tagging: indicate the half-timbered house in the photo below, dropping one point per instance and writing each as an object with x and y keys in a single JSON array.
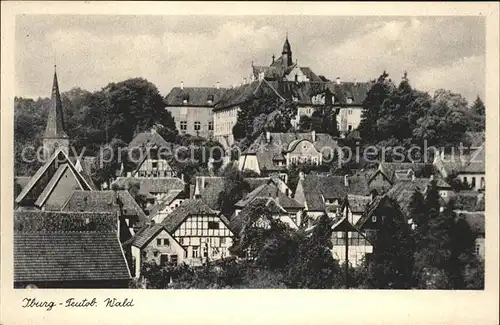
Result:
[{"x": 202, "y": 232}]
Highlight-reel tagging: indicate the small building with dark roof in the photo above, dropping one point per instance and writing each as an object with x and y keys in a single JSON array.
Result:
[{"x": 154, "y": 244}]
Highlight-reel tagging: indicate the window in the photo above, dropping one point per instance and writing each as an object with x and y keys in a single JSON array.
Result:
[
  {"x": 296, "y": 78},
  {"x": 174, "y": 259},
  {"x": 349, "y": 127},
  {"x": 163, "y": 259},
  {"x": 210, "y": 99},
  {"x": 166, "y": 242},
  {"x": 349, "y": 111},
  {"x": 154, "y": 164},
  {"x": 197, "y": 126},
  {"x": 374, "y": 218},
  {"x": 196, "y": 251},
  {"x": 349, "y": 101},
  {"x": 210, "y": 126},
  {"x": 213, "y": 225},
  {"x": 184, "y": 125},
  {"x": 482, "y": 182},
  {"x": 340, "y": 234},
  {"x": 473, "y": 182},
  {"x": 477, "y": 249},
  {"x": 158, "y": 242},
  {"x": 205, "y": 250}
]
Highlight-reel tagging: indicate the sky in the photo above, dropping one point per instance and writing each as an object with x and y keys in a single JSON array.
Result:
[{"x": 93, "y": 50}]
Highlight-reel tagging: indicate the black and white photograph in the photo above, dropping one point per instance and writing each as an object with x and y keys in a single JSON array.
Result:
[{"x": 249, "y": 152}]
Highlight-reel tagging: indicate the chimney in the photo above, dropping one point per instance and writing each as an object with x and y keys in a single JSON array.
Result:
[
  {"x": 355, "y": 81},
  {"x": 301, "y": 175},
  {"x": 313, "y": 135},
  {"x": 412, "y": 176},
  {"x": 346, "y": 180},
  {"x": 337, "y": 81},
  {"x": 273, "y": 58},
  {"x": 182, "y": 84},
  {"x": 217, "y": 85},
  {"x": 268, "y": 137}
]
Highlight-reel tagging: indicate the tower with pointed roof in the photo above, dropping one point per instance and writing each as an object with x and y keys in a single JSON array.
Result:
[
  {"x": 55, "y": 135},
  {"x": 287, "y": 52}
]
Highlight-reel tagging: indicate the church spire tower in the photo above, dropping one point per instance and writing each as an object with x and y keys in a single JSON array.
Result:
[
  {"x": 287, "y": 52},
  {"x": 55, "y": 134}
]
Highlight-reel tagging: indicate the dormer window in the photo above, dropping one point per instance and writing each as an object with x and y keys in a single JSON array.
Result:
[
  {"x": 210, "y": 99},
  {"x": 185, "y": 99},
  {"x": 295, "y": 99},
  {"x": 349, "y": 100}
]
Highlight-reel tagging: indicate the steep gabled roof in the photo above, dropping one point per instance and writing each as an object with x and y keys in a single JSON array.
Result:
[
  {"x": 186, "y": 209},
  {"x": 148, "y": 138},
  {"x": 47, "y": 176},
  {"x": 269, "y": 190},
  {"x": 374, "y": 205},
  {"x": 68, "y": 256},
  {"x": 393, "y": 170},
  {"x": 320, "y": 187},
  {"x": 475, "y": 220},
  {"x": 476, "y": 164},
  {"x": 144, "y": 236},
  {"x": 104, "y": 201},
  {"x": 245, "y": 216},
  {"x": 195, "y": 96}
]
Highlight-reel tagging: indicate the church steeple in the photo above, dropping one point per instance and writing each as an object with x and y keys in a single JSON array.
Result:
[
  {"x": 55, "y": 119},
  {"x": 287, "y": 52},
  {"x": 55, "y": 134}
]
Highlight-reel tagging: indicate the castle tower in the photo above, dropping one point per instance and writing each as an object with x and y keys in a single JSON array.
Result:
[
  {"x": 55, "y": 136},
  {"x": 287, "y": 52}
]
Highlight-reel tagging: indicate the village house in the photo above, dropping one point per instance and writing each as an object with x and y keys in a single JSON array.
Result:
[
  {"x": 130, "y": 216},
  {"x": 208, "y": 188},
  {"x": 281, "y": 196},
  {"x": 387, "y": 173},
  {"x": 154, "y": 244},
  {"x": 203, "y": 233},
  {"x": 473, "y": 172},
  {"x": 162, "y": 194},
  {"x": 68, "y": 250},
  {"x": 147, "y": 155},
  {"x": 274, "y": 153},
  {"x": 322, "y": 193},
  {"x": 259, "y": 213},
  {"x": 225, "y": 112},
  {"x": 476, "y": 223},
  {"x": 358, "y": 244},
  {"x": 191, "y": 108},
  {"x": 381, "y": 210}
]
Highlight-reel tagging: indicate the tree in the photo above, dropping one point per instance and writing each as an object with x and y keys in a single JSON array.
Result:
[
  {"x": 419, "y": 216},
  {"x": 390, "y": 266},
  {"x": 478, "y": 118},
  {"x": 235, "y": 187},
  {"x": 313, "y": 266},
  {"x": 378, "y": 93}
]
